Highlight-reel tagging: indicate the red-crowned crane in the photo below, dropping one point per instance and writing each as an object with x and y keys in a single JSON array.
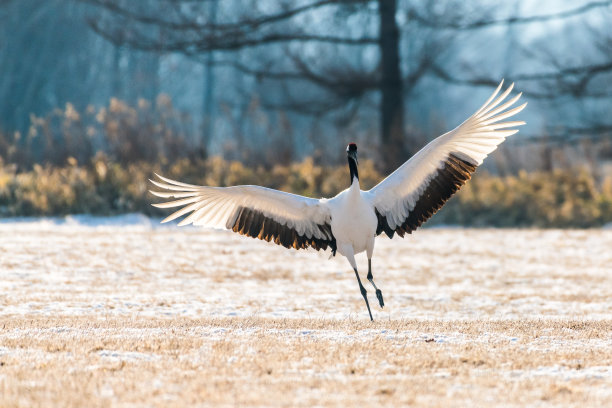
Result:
[{"x": 349, "y": 222}]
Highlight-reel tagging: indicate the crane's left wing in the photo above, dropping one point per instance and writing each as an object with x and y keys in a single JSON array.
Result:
[
  {"x": 420, "y": 187},
  {"x": 290, "y": 220}
]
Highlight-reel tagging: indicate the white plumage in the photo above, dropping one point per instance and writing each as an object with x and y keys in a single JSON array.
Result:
[
  {"x": 216, "y": 206},
  {"x": 349, "y": 222},
  {"x": 471, "y": 141}
]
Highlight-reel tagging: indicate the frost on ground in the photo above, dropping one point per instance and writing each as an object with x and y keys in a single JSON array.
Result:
[{"x": 120, "y": 311}]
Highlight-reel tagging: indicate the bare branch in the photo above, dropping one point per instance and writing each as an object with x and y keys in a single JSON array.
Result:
[
  {"x": 192, "y": 23},
  {"x": 566, "y": 136},
  {"x": 260, "y": 73},
  {"x": 451, "y": 25},
  {"x": 245, "y": 25},
  {"x": 221, "y": 42},
  {"x": 584, "y": 75}
]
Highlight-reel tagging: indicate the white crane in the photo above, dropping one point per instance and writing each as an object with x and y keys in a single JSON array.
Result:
[{"x": 349, "y": 222}]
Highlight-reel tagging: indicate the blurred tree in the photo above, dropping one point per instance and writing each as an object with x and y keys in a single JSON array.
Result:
[
  {"x": 49, "y": 57},
  {"x": 346, "y": 48},
  {"x": 572, "y": 78},
  {"x": 380, "y": 58},
  {"x": 209, "y": 82}
]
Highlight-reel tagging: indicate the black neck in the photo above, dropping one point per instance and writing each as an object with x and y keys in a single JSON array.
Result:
[{"x": 353, "y": 169}]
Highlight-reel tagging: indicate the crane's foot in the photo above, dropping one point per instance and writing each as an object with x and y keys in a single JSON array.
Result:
[
  {"x": 379, "y": 296},
  {"x": 364, "y": 293}
]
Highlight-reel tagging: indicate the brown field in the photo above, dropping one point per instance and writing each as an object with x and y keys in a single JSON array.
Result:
[{"x": 132, "y": 315}]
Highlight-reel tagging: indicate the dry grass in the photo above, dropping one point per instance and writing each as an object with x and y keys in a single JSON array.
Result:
[
  {"x": 571, "y": 197},
  {"x": 134, "y": 316},
  {"x": 81, "y": 361}
]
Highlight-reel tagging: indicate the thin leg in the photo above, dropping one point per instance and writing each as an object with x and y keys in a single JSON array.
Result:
[
  {"x": 347, "y": 251},
  {"x": 379, "y": 295},
  {"x": 363, "y": 293}
]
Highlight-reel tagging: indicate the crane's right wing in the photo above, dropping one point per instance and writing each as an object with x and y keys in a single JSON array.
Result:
[{"x": 290, "y": 220}]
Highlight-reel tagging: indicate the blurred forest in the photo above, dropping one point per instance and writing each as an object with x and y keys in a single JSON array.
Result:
[{"x": 97, "y": 94}]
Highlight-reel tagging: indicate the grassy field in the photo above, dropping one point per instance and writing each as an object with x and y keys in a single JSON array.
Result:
[{"x": 117, "y": 312}]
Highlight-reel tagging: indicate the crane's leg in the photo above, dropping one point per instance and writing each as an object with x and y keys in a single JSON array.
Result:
[
  {"x": 348, "y": 253},
  {"x": 370, "y": 251},
  {"x": 363, "y": 293},
  {"x": 379, "y": 295}
]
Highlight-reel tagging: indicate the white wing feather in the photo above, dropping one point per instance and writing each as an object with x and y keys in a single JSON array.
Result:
[
  {"x": 472, "y": 141},
  {"x": 217, "y": 206}
]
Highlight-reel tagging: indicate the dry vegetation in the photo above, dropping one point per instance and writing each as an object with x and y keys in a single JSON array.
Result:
[
  {"x": 560, "y": 198},
  {"x": 123, "y": 361},
  {"x": 141, "y": 316},
  {"x": 99, "y": 161}
]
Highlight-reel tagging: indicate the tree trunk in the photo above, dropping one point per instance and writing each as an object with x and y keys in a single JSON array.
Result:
[
  {"x": 393, "y": 144},
  {"x": 116, "y": 79},
  {"x": 208, "y": 119}
]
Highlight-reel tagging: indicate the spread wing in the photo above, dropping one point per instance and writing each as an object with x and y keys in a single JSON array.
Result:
[
  {"x": 420, "y": 187},
  {"x": 286, "y": 219}
]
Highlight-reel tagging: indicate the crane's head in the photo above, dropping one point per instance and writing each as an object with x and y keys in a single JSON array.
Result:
[{"x": 351, "y": 151}]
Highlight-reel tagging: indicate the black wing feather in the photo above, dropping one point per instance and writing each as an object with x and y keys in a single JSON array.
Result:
[{"x": 446, "y": 181}]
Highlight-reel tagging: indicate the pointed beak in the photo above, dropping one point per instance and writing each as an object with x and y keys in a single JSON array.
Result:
[{"x": 353, "y": 155}]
